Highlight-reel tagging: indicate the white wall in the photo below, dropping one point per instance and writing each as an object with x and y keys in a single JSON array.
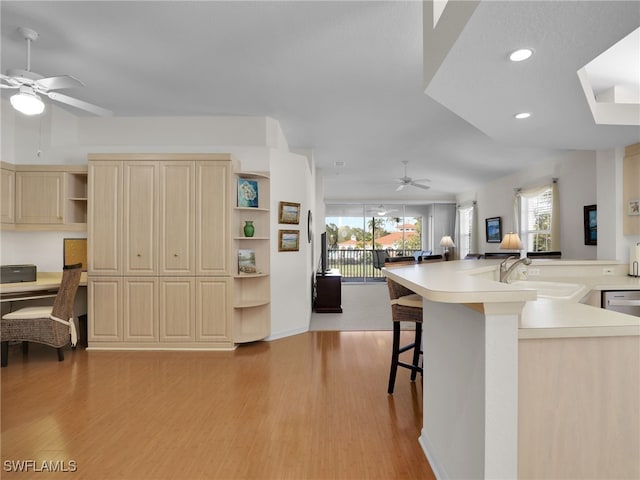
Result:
[
  {"x": 577, "y": 184},
  {"x": 291, "y": 272}
]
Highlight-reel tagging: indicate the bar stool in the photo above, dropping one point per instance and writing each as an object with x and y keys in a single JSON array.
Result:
[{"x": 406, "y": 306}]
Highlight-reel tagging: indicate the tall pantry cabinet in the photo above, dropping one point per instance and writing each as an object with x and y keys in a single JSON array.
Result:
[{"x": 160, "y": 251}]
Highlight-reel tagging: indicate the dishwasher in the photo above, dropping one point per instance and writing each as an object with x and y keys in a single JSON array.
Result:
[{"x": 624, "y": 301}]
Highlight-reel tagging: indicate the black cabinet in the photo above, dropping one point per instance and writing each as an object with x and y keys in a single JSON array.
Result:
[{"x": 329, "y": 292}]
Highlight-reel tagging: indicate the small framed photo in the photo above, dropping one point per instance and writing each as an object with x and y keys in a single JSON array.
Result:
[
  {"x": 289, "y": 213},
  {"x": 633, "y": 207},
  {"x": 494, "y": 229},
  {"x": 288, "y": 240},
  {"x": 590, "y": 225}
]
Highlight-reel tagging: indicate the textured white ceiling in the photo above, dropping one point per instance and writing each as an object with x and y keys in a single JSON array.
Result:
[{"x": 343, "y": 78}]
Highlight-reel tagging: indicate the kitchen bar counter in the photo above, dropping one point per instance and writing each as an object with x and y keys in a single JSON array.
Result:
[{"x": 510, "y": 375}]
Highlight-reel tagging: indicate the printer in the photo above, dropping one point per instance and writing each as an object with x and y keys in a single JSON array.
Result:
[{"x": 17, "y": 273}]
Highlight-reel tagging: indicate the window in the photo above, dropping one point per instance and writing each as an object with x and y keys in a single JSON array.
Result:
[
  {"x": 466, "y": 231},
  {"x": 536, "y": 214}
]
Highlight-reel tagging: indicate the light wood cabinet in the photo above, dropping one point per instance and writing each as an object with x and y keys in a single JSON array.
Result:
[
  {"x": 177, "y": 309},
  {"x": 213, "y": 212},
  {"x": 213, "y": 312},
  {"x": 104, "y": 248},
  {"x": 161, "y": 223},
  {"x": 39, "y": 197},
  {"x": 177, "y": 215},
  {"x": 140, "y": 218},
  {"x": 7, "y": 207},
  {"x": 44, "y": 197},
  {"x": 104, "y": 312},
  {"x": 140, "y": 309}
]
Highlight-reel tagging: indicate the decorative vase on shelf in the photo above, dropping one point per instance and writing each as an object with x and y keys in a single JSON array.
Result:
[{"x": 249, "y": 229}]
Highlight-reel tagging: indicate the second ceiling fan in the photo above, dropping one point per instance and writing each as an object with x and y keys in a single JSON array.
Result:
[{"x": 406, "y": 180}]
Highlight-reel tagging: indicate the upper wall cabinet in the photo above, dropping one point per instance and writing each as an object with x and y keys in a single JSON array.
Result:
[
  {"x": 8, "y": 199},
  {"x": 44, "y": 197}
]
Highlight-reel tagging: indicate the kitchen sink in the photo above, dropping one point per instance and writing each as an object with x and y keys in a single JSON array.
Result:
[{"x": 556, "y": 290}]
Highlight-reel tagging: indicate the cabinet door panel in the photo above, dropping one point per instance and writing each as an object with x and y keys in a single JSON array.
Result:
[
  {"x": 105, "y": 309},
  {"x": 104, "y": 218},
  {"x": 39, "y": 197},
  {"x": 213, "y": 310},
  {"x": 140, "y": 309},
  {"x": 177, "y": 309},
  {"x": 176, "y": 226},
  {"x": 140, "y": 218},
  {"x": 212, "y": 218},
  {"x": 7, "y": 206}
]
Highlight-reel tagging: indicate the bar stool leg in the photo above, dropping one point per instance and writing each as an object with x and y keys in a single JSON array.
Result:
[
  {"x": 394, "y": 357},
  {"x": 416, "y": 351}
]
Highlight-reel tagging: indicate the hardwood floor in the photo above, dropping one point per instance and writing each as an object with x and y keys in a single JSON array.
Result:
[{"x": 311, "y": 406}]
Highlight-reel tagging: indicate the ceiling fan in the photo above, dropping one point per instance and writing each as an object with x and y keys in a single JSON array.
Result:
[
  {"x": 30, "y": 85},
  {"x": 381, "y": 210},
  {"x": 404, "y": 181}
]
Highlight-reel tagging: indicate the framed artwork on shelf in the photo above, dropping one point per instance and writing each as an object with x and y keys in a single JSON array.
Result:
[
  {"x": 633, "y": 207},
  {"x": 247, "y": 193},
  {"x": 494, "y": 229},
  {"x": 288, "y": 240},
  {"x": 247, "y": 261},
  {"x": 289, "y": 213},
  {"x": 591, "y": 225}
]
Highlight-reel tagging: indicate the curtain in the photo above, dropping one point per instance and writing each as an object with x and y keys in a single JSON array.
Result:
[
  {"x": 456, "y": 235},
  {"x": 474, "y": 246},
  {"x": 555, "y": 217}
]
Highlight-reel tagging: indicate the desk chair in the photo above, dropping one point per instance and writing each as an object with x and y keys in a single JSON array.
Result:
[{"x": 49, "y": 325}]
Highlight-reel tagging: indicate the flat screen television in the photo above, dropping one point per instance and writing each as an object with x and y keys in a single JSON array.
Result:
[{"x": 323, "y": 253}]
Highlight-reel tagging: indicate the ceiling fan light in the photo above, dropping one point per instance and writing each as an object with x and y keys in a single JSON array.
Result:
[{"x": 27, "y": 102}]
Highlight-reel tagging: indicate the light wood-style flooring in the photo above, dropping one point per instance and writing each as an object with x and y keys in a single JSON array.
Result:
[{"x": 310, "y": 406}]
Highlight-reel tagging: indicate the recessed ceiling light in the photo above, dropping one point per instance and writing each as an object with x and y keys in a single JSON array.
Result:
[
  {"x": 520, "y": 55},
  {"x": 523, "y": 115}
]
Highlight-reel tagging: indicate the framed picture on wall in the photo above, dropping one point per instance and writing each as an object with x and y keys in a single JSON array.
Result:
[
  {"x": 494, "y": 229},
  {"x": 289, "y": 213},
  {"x": 590, "y": 225},
  {"x": 288, "y": 240}
]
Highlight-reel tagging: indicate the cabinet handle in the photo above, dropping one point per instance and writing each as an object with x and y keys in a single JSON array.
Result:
[
  {"x": 175, "y": 254},
  {"x": 138, "y": 255}
]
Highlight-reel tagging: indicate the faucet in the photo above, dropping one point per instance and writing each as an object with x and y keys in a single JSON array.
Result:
[{"x": 506, "y": 272}]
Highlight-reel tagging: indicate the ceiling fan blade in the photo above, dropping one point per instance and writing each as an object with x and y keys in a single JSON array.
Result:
[
  {"x": 419, "y": 185},
  {"x": 400, "y": 187},
  {"x": 10, "y": 82},
  {"x": 56, "y": 83},
  {"x": 420, "y": 180},
  {"x": 82, "y": 105}
]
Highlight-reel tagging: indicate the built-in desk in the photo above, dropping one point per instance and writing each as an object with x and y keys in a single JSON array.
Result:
[{"x": 46, "y": 285}]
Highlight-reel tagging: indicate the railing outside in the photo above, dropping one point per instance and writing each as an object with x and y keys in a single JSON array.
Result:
[{"x": 358, "y": 264}]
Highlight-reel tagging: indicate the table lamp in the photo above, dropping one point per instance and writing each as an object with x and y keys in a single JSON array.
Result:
[
  {"x": 511, "y": 241},
  {"x": 446, "y": 242}
]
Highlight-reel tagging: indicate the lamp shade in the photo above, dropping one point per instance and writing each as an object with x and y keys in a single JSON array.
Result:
[
  {"x": 447, "y": 241},
  {"x": 511, "y": 241},
  {"x": 27, "y": 102}
]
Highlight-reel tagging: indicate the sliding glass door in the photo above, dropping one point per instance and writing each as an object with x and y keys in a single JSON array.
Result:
[{"x": 354, "y": 231}]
